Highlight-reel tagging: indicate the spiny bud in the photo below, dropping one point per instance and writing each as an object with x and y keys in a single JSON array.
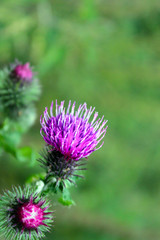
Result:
[
  {"x": 24, "y": 214},
  {"x": 19, "y": 89}
]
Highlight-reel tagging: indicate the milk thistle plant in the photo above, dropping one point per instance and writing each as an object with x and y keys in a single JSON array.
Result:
[{"x": 70, "y": 135}]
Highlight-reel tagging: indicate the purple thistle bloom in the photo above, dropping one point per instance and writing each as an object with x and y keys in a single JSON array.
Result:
[
  {"x": 23, "y": 71},
  {"x": 70, "y": 132},
  {"x": 24, "y": 214}
]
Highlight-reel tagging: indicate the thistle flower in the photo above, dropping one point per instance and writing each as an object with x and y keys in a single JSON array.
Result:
[
  {"x": 22, "y": 72},
  {"x": 70, "y": 132},
  {"x": 58, "y": 169},
  {"x": 24, "y": 215}
]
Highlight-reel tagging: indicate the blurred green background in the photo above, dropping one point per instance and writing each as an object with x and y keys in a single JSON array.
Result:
[{"x": 105, "y": 53}]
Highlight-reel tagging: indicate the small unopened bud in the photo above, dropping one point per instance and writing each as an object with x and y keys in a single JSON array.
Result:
[{"x": 23, "y": 72}]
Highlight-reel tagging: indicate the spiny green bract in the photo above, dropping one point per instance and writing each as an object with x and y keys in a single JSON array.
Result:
[{"x": 59, "y": 170}]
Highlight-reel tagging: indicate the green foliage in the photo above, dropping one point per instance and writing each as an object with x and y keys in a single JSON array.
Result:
[
  {"x": 26, "y": 154},
  {"x": 10, "y": 137},
  {"x": 65, "y": 198},
  {"x": 50, "y": 186}
]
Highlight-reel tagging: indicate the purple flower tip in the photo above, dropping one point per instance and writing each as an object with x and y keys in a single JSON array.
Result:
[
  {"x": 30, "y": 215},
  {"x": 71, "y": 132},
  {"x": 23, "y": 71}
]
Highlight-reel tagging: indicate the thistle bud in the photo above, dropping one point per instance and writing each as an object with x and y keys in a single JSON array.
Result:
[
  {"x": 24, "y": 214},
  {"x": 19, "y": 89}
]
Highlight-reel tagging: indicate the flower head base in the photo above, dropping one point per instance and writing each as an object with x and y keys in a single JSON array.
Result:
[
  {"x": 22, "y": 72},
  {"x": 58, "y": 168},
  {"x": 24, "y": 215},
  {"x": 70, "y": 132}
]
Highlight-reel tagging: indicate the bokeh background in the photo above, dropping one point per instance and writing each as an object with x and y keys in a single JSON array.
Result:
[{"x": 105, "y": 53}]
